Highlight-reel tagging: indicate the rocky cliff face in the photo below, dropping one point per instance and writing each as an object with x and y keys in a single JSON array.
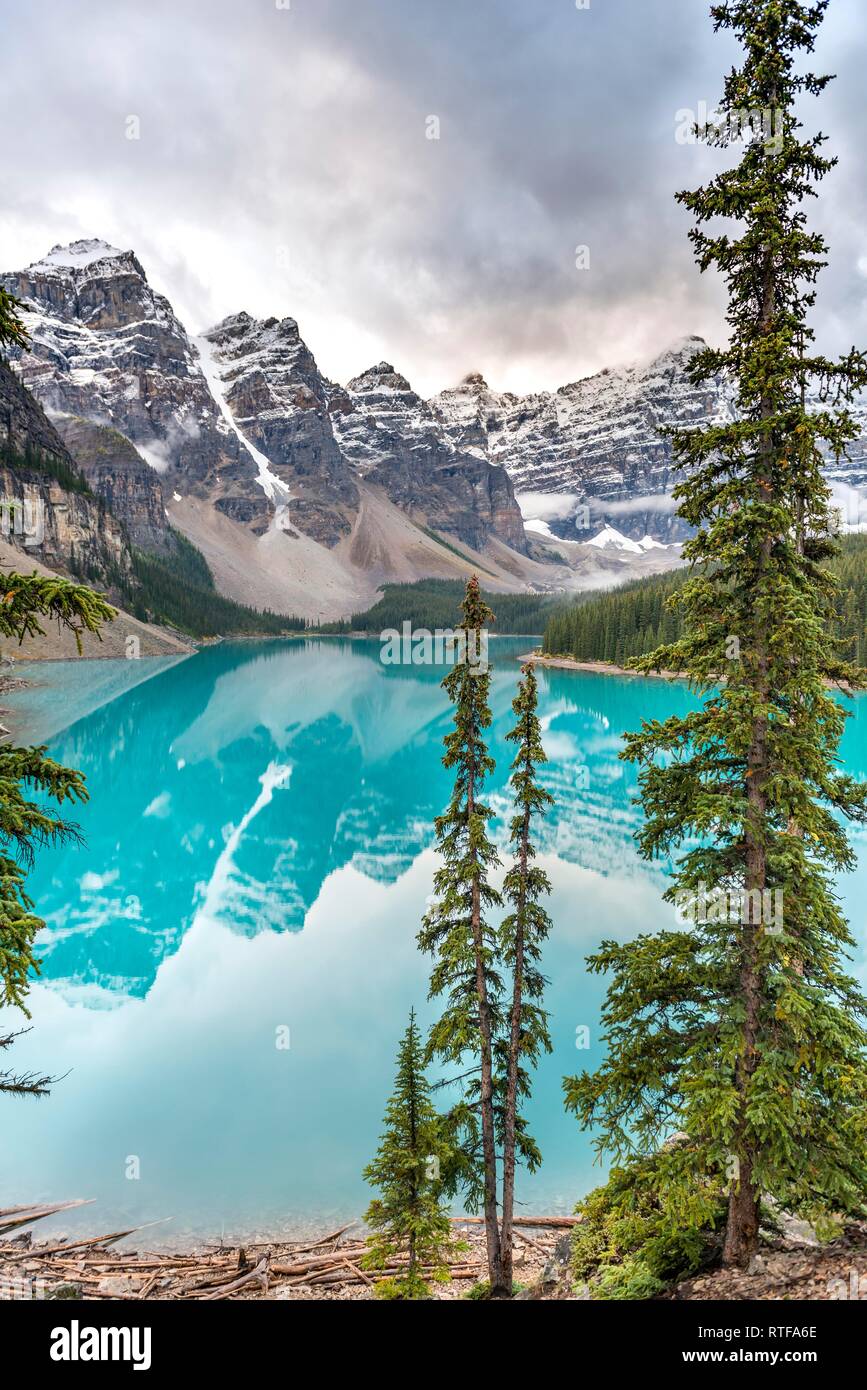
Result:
[
  {"x": 268, "y": 381},
  {"x": 131, "y": 490},
  {"x": 243, "y": 421},
  {"x": 64, "y": 527},
  {"x": 595, "y": 440},
  {"x": 106, "y": 347},
  {"x": 394, "y": 438},
  {"x": 242, "y": 417}
]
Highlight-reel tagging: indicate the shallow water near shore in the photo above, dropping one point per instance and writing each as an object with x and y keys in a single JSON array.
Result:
[{"x": 230, "y": 958}]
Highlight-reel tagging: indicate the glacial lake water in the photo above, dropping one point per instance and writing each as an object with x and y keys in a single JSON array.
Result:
[{"x": 258, "y": 853}]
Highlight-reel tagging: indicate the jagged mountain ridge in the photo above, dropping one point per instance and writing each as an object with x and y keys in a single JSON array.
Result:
[
  {"x": 42, "y": 519},
  {"x": 597, "y": 441},
  {"x": 243, "y": 420},
  {"x": 106, "y": 347},
  {"x": 394, "y": 438}
]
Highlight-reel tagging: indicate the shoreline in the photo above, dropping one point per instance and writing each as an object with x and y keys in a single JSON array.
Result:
[
  {"x": 323, "y": 1264},
  {"x": 598, "y": 668},
  {"x": 606, "y": 668}
]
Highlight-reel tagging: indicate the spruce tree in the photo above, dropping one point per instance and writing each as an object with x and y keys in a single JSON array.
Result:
[
  {"x": 522, "y": 933},
  {"x": 409, "y": 1219},
  {"x": 12, "y": 330},
  {"x": 27, "y": 823},
  {"x": 456, "y": 929},
  {"x": 743, "y": 1032},
  {"x": 29, "y": 782},
  {"x": 498, "y": 1029}
]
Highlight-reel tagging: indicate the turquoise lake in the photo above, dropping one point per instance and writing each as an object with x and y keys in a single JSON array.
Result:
[{"x": 258, "y": 854}]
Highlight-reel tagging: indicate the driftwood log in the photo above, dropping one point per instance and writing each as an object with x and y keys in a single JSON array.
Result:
[{"x": 94, "y": 1267}]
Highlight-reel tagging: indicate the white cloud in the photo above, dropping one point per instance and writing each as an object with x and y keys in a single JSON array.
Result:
[{"x": 92, "y": 882}]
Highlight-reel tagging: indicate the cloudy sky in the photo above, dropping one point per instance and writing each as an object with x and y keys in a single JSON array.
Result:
[{"x": 284, "y": 164}]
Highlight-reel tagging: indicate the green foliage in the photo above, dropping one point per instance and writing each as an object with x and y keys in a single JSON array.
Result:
[
  {"x": 45, "y": 465},
  {"x": 25, "y": 599},
  {"x": 521, "y": 935},
  {"x": 630, "y": 1244},
  {"x": 621, "y": 624},
  {"x": 493, "y": 1034},
  {"x": 431, "y": 604},
  {"x": 12, "y": 330},
  {"x": 178, "y": 590},
  {"x": 409, "y": 1219},
  {"x": 748, "y": 1035},
  {"x": 27, "y": 823},
  {"x": 456, "y": 930},
  {"x": 481, "y": 1292}
]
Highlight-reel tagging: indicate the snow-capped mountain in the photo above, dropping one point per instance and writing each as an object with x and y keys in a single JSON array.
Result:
[
  {"x": 589, "y": 457},
  {"x": 594, "y": 442},
  {"x": 392, "y": 437},
  {"x": 222, "y": 417},
  {"x": 609, "y": 538},
  {"x": 268, "y": 386},
  {"x": 105, "y": 345},
  {"x": 244, "y": 445}
]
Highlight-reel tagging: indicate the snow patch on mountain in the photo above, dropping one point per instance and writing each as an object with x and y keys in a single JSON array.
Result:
[
  {"x": 78, "y": 254},
  {"x": 273, "y": 487},
  {"x": 540, "y": 528},
  {"x": 611, "y": 539}
]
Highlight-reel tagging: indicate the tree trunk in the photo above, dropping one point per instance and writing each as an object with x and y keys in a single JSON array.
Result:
[
  {"x": 486, "y": 1096},
  {"x": 413, "y": 1140},
  {"x": 742, "y": 1229},
  {"x": 514, "y": 1056}
]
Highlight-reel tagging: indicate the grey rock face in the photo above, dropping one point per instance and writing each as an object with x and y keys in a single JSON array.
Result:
[
  {"x": 277, "y": 397},
  {"x": 65, "y": 529},
  {"x": 395, "y": 439},
  {"x": 107, "y": 347},
  {"x": 596, "y": 440},
  {"x": 117, "y": 473}
]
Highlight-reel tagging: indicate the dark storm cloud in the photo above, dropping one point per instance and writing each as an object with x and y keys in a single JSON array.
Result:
[{"x": 283, "y": 166}]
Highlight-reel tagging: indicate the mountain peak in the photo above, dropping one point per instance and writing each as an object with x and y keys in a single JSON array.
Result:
[
  {"x": 475, "y": 381},
  {"x": 244, "y": 325},
  {"x": 381, "y": 378},
  {"x": 687, "y": 346},
  {"x": 78, "y": 255}
]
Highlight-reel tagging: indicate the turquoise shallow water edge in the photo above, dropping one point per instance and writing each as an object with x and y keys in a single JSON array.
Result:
[{"x": 258, "y": 856}]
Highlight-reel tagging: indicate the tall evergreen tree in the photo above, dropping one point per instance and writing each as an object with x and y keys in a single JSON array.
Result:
[
  {"x": 744, "y": 1033},
  {"x": 25, "y": 823},
  {"x": 409, "y": 1219},
  {"x": 456, "y": 930},
  {"x": 522, "y": 933},
  {"x": 12, "y": 330},
  {"x": 499, "y": 1029}
]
